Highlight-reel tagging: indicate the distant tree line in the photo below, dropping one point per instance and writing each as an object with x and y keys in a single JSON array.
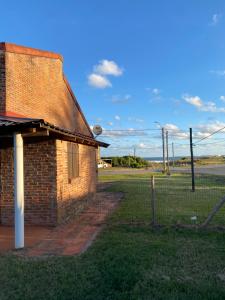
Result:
[{"x": 128, "y": 161}]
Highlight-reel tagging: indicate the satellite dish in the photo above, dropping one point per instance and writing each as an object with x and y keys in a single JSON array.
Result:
[{"x": 97, "y": 129}]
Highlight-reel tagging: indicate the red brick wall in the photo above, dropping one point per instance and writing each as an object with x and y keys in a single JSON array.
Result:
[
  {"x": 2, "y": 81},
  {"x": 39, "y": 184},
  {"x": 35, "y": 87},
  {"x": 49, "y": 197},
  {"x": 71, "y": 197}
]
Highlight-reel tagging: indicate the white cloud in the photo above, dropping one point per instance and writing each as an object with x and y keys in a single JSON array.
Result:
[
  {"x": 203, "y": 106},
  {"x": 171, "y": 127},
  {"x": 110, "y": 123},
  {"x": 108, "y": 67},
  {"x": 117, "y": 99},
  {"x": 196, "y": 101},
  {"x": 215, "y": 19},
  {"x": 204, "y": 130},
  {"x": 98, "y": 78},
  {"x": 218, "y": 72},
  {"x": 98, "y": 81},
  {"x": 210, "y": 127},
  {"x": 222, "y": 98},
  {"x": 156, "y": 91},
  {"x": 117, "y": 118},
  {"x": 123, "y": 133},
  {"x": 145, "y": 147},
  {"x": 142, "y": 145},
  {"x": 175, "y": 131},
  {"x": 199, "y": 131},
  {"x": 155, "y": 95}
]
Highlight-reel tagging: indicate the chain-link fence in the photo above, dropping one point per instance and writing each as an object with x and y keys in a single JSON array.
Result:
[
  {"x": 182, "y": 195},
  {"x": 177, "y": 204},
  {"x": 170, "y": 201}
]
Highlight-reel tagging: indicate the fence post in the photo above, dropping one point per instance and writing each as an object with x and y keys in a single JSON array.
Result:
[
  {"x": 153, "y": 200},
  {"x": 215, "y": 209},
  {"x": 192, "y": 163}
]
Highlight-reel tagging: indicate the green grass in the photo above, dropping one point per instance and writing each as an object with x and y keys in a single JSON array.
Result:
[
  {"x": 128, "y": 261},
  {"x": 175, "y": 202}
]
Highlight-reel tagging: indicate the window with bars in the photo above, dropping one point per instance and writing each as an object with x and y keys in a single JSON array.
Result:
[{"x": 73, "y": 160}]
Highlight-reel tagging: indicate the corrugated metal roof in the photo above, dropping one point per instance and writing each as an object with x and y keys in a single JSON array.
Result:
[
  {"x": 9, "y": 121},
  {"x": 15, "y": 123}
]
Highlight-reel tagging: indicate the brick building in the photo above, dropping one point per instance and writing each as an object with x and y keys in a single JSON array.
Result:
[{"x": 40, "y": 114}]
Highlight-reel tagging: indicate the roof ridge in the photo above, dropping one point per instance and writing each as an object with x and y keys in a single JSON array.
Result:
[{"x": 14, "y": 48}]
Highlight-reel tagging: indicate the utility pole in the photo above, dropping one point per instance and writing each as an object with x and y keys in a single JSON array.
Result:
[
  {"x": 167, "y": 154},
  {"x": 173, "y": 153},
  {"x": 163, "y": 148},
  {"x": 134, "y": 151},
  {"x": 192, "y": 163}
]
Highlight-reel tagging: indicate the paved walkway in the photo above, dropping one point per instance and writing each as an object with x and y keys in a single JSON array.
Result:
[
  {"x": 33, "y": 234},
  {"x": 68, "y": 239}
]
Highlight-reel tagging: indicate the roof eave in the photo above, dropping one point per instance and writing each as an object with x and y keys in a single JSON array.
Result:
[{"x": 55, "y": 131}]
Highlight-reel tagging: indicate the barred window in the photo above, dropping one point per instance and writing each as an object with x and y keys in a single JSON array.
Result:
[{"x": 73, "y": 160}]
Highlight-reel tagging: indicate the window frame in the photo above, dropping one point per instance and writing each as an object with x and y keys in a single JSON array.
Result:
[{"x": 73, "y": 161}]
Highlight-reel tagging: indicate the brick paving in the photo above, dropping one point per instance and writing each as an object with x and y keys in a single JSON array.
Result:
[{"x": 68, "y": 239}]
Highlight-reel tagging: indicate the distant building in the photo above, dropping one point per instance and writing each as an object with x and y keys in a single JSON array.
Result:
[{"x": 104, "y": 164}]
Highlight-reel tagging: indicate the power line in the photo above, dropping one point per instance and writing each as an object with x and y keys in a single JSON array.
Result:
[
  {"x": 123, "y": 136},
  {"x": 144, "y": 129},
  {"x": 213, "y": 143},
  {"x": 130, "y": 130},
  {"x": 131, "y": 147},
  {"x": 179, "y": 135},
  {"x": 206, "y": 137},
  {"x": 218, "y": 139},
  {"x": 179, "y": 144},
  {"x": 129, "y": 134}
]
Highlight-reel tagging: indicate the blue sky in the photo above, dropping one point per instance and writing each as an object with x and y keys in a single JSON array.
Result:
[{"x": 131, "y": 63}]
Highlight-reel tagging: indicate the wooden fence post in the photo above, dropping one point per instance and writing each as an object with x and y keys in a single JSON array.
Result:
[
  {"x": 215, "y": 209},
  {"x": 153, "y": 200}
]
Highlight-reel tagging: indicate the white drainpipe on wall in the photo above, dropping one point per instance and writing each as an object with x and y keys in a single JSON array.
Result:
[{"x": 18, "y": 190}]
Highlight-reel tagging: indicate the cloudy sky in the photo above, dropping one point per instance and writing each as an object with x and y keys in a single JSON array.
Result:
[{"x": 135, "y": 65}]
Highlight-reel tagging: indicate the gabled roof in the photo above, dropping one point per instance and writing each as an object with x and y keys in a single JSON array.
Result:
[
  {"x": 76, "y": 103},
  {"x": 13, "y": 48},
  {"x": 9, "y": 125}
]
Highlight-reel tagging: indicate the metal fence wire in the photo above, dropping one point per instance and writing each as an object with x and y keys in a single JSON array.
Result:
[
  {"x": 168, "y": 200},
  {"x": 188, "y": 192},
  {"x": 176, "y": 204}
]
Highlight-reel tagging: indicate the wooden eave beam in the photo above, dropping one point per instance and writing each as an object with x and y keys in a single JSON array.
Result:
[
  {"x": 30, "y": 132},
  {"x": 69, "y": 136},
  {"x": 36, "y": 134}
]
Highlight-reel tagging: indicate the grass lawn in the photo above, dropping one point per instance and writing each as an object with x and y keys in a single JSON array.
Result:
[
  {"x": 128, "y": 261},
  {"x": 175, "y": 202}
]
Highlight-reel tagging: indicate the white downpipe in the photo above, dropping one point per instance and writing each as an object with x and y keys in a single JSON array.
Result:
[{"x": 18, "y": 190}]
